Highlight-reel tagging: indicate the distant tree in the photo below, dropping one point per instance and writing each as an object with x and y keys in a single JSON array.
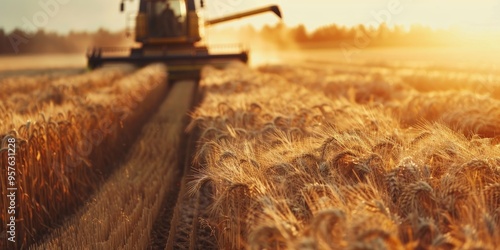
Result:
[
  {"x": 420, "y": 35},
  {"x": 299, "y": 34},
  {"x": 383, "y": 33},
  {"x": 326, "y": 33},
  {"x": 3, "y": 42},
  {"x": 397, "y": 35},
  {"x": 362, "y": 28},
  {"x": 18, "y": 41}
]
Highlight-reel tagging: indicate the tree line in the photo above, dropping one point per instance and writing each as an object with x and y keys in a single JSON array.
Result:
[
  {"x": 334, "y": 36},
  {"x": 21, "y": 42},
  {"x": 330, "y": 36}
]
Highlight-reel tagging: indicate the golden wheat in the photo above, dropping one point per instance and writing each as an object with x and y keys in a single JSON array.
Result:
[
  {"x": 66, "y": 143},
  {"x": 121, "y": 214},
  {"x": 342, "y": 156},
  {"x": 335, "y": 163}
]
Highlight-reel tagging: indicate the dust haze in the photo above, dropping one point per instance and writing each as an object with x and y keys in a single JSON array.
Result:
[{"x": 269, "y": 45}]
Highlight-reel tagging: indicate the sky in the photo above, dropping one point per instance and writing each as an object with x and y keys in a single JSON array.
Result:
[{"x": 65, "y": 15}]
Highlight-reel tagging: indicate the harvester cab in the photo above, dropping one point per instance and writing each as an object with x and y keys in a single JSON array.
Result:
[
  {"x": 169, "y": 32},
  {"x": 172, "y": 23}
]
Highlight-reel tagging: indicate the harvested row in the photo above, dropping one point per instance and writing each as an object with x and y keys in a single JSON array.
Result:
[
  {"x": 65, "y": 153},
  {"x": 293, "y": 168},
  {"x": 188, "y": 228},
  {"x": 122, "y": 213}
]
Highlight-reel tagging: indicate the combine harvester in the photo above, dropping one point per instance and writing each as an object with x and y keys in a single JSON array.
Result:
[{"x": 169, "y": 33}]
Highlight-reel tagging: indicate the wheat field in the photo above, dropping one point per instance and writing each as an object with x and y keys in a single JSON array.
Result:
[
  {"x": 308, "y": 154},
  {"x": 123, "y": 212},
  {"x": 72, "y": 130},
  {"x": 350, "y": 157}
]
